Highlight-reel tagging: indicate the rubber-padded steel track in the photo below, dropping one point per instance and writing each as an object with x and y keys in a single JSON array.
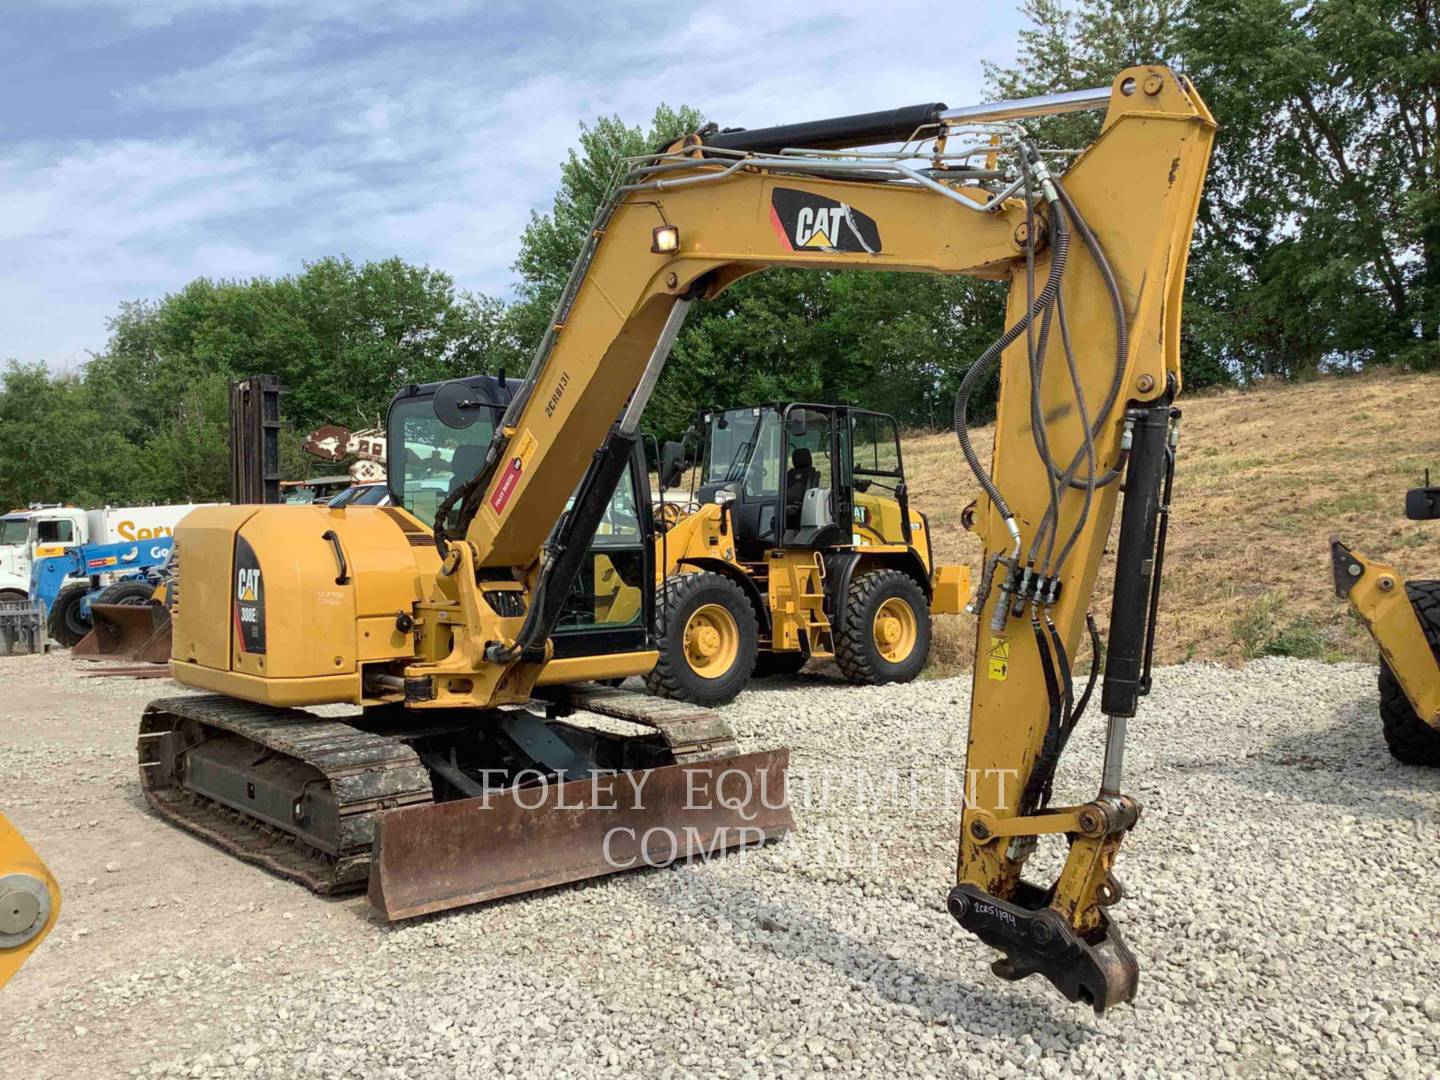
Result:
[
  {"x": 693, "y": 733},
  {"x": 355, "y": 776}
]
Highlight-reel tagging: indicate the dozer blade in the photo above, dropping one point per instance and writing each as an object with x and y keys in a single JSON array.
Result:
[
  {"x": 446, "y": 855},
  {"x": 139, "y": 632}
]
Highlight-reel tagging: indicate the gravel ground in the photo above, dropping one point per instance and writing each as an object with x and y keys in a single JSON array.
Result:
[{"x": 1282, "y": 903}]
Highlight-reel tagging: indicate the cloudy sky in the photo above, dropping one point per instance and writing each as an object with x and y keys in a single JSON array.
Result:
[{"x": 147, "y": 142}]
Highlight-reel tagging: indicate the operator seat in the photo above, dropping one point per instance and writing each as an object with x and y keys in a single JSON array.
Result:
[{"x": 799, "y": 478}]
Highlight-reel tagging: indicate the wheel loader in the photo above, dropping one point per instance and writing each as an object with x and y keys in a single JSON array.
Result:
[
  {"x": 798, "y": 542},
  {"x": 1404, "y": 619},
  {"x": 478, "y": 757}
]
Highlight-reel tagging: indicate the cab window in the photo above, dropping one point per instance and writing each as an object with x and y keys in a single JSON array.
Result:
[
  {"x": 428, "y": 460},
  {"x": 731, "y": 445},
  {"x": 14, "y": 530},
  {"x": 55, "y": 532},
  {"x": 762, "y": 477},
  {"x": 876, "y": 445}
]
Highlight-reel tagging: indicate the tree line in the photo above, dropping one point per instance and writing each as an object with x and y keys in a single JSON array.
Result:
[{"x": 1317, "y": 249}]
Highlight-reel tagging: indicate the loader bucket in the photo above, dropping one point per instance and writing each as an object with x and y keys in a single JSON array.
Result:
[
  {"x": 447, "y": 855},
  {"x": 139, "y": 632}
]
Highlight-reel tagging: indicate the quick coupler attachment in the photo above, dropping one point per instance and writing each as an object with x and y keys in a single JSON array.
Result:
[{"x": 1036, "y": 940}]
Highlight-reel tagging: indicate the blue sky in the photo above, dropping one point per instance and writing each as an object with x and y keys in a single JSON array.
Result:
[{"x": 147, "y": 142}]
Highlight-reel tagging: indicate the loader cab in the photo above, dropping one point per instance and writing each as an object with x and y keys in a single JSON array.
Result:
[
  {"x": 803, "y": 475},
  {"x": 438, "y": 437}
]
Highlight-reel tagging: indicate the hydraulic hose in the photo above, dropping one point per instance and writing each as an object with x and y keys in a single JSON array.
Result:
[
  {"x": 1122, "y": 325},
  {"x": 1035, "y": 350},
  {"x": 981, "y": 367}
]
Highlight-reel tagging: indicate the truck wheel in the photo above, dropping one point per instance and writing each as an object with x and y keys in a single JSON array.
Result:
[
  {"x": 67, "y": 624},
  {"x": 884, "y": 630},
  {"x": 706, "y": 633},
  {"x": 13, "y": 596},
  {"x": 137, "y": 593},
  {"x": 1409, "y": 738},
  {"x": 770, "y": 664}
]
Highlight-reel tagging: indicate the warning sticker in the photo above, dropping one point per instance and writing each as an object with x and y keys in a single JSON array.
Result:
[
  {"x": 523, "y": 449},
  {"x": 1000, "y": 659}
]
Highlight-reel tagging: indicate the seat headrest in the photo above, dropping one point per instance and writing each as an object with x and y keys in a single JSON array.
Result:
[
  {"x": 800, "y": 458},
  {"x": 466, "y": 462}
]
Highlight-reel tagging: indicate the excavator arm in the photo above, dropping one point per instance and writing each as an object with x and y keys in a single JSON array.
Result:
[{"x": 1089, "y": 371}]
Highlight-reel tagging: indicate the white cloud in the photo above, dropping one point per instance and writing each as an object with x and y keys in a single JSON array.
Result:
[{"x": 425, "y": 130}]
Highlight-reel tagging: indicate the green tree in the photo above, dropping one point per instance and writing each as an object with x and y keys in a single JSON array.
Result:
[
  {"x": 1318, "y": 239},
  {"x": 552, "y": 242},
  {"x": 57, "y": 442},
  {"x": 1324, "y": 198},
  {"x": 147, "y": 419}
]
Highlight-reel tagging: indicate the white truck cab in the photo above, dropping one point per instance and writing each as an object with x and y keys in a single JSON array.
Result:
[{"x": 27, "y": 535}]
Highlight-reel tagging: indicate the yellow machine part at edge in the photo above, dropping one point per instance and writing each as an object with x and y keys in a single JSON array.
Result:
[{"x": 29, "y": 895}]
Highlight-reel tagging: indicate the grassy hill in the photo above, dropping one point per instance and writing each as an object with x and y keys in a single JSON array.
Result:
[{"x": 1263, "y": 480}]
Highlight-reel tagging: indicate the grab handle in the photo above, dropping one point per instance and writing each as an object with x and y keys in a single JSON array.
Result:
[{"x": 344, "y": 578}]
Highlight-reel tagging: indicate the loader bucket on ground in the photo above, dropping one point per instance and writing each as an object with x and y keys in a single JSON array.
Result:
[
  {"x": 446, "y": 855},
  {"x": 139, "y": 632}
]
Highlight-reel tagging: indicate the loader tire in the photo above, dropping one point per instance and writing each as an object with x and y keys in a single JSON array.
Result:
[
  {"x": 1409, "y": 738},
  {"x": 884, "y": 634},
  {"x": 136, "y": 593},
  {"x": 706, "y": 632},
  {"x": 772, "y": 664},
  {"x": 67, "y": 625}
]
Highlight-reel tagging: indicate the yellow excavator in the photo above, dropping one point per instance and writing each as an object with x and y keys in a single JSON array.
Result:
[{"x": 464, "y": 771}]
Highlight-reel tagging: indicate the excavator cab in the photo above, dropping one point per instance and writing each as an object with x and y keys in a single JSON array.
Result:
[{"x": 438, "y": 436}]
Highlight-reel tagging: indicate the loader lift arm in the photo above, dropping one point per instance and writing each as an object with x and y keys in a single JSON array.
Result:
[{"x": 1089, "y": 369}]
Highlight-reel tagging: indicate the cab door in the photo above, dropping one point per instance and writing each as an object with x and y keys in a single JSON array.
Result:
[
  {"x": 814, "y": 498},
  {"x": 609, "y": 608},
  {"x": 51, "y": 535}
]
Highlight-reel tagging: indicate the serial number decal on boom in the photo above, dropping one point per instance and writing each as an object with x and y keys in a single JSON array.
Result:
[
  {"x": 806, "y": 222},
  {"x": 249, "y": 599},
  {"x": 557, "y": 393},
  {"x": 525, "y": 445}
]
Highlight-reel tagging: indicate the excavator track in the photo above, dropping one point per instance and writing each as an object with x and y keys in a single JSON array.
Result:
[
  {"x": 334, "y": 805},
  {"x": 692, "y": 733},
  {"x": 284, "y": 789}
]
